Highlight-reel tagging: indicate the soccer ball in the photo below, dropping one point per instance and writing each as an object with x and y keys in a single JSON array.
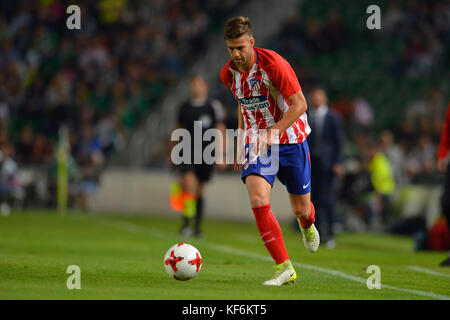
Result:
[{"x": 183, "y": 261}]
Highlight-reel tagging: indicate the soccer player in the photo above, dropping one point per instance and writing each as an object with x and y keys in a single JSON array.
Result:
[
  {"x": 271, "y": 111},
  {"x": 198, "y": 110}
]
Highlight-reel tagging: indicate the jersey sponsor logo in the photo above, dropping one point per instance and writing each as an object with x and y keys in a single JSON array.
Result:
[{"x": 255, "y": 103}]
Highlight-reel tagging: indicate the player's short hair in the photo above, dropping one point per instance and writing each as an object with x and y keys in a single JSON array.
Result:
[{"x": 236, "y": 27}]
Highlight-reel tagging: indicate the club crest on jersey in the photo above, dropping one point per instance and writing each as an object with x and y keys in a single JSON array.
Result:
[
  {"x": 254, "y": 84},
  {"x": 255, "y": 103}
]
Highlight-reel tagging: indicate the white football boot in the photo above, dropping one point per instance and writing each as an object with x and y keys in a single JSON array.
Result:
[
  {"x": 285, "y": 274},
  {"x": 311, "y": 238}
]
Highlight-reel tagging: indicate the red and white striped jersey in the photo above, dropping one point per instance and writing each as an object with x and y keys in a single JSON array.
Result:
[{"x": 262, "y": 92}]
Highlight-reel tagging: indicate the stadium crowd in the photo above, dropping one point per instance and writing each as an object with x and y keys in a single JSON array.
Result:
[{"x": 100, "y": 81}]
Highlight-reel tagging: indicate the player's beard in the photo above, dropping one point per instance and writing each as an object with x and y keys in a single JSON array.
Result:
[{"x": 243, "y": 62}]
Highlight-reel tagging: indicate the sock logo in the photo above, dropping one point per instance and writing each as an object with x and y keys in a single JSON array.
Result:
[{"x": 265, "y": 235}]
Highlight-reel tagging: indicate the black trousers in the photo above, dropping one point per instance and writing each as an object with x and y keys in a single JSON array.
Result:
[{"x": 323, "y": 188}]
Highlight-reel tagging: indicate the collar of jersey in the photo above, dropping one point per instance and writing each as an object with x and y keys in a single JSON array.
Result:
[{"x": 257, "y": 56}]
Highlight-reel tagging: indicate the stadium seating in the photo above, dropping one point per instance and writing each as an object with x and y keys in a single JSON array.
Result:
[
  {"x": 364, "y": 63},
  {"x": 118, "y": 65}
]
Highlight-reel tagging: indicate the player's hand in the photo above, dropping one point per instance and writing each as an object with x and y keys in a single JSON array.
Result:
[
  {"x": 265, "y": 140},
  {"x": 239, "y": 159}
]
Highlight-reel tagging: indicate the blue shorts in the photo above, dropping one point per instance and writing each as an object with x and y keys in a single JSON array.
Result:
[{"x": 290, "y": 163}]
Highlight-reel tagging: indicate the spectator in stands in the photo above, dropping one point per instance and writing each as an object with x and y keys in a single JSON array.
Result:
[
  {"x": 24, "y": 147},
  {"x": 42, "y": 150},
  {"x": 357, "y": 188},
  {"x": 11, "y": 190},
  {"x": 363, "y": 114},
  {"x": 292, "y": 37},
  {"x": 4, "y": 138},
  {"x": 111, "y": 139},
  {"x": 393, "y": 18},
  {"x": 383, "y": 183},
  {"x": 334, "y": 31},
  {"x": 50, "y": 74},
  {"x": 313, "y": 35},
  {"x": 407, "y": 136},
  {"x": 89, "y": 158},
  {"x": 420, "y": 160},
  {"x": 394, "y": 155}
]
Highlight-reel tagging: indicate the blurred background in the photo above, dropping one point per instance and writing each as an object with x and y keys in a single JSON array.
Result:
[{"x": 110, "y": 93}]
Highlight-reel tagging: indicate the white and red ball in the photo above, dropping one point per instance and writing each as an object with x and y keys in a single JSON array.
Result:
[{"x": 183, "y": 261}]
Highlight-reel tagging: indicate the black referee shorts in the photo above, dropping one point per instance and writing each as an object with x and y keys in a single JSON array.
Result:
[{"x": 203, "y": 172}]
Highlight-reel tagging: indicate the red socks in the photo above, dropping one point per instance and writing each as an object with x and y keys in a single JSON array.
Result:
[
  {"x": 270, "y": 232},
  {"x": 307, "y": 223}
]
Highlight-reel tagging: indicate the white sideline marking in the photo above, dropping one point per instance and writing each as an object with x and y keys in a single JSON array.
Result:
[
  {"x": 133, "y": 228},
  {"x": 424, "y": 270}
]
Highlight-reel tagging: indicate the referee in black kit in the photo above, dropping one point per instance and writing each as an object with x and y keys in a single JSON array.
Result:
[{"x": 193, "y": 177}]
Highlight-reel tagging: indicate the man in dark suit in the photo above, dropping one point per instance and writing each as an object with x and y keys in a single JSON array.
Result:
[{"x": 326, "y": 144}]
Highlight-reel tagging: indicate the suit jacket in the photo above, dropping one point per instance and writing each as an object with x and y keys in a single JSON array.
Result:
[{"x": 329, "y": 150}]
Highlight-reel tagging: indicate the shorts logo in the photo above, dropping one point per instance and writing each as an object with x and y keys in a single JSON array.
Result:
[
  {"x": 305, "y": 185},
  {"x": 255, "y": 103}
]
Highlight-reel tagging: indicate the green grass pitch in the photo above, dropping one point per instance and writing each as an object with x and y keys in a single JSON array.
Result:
[{"x": 122, "y": 258}]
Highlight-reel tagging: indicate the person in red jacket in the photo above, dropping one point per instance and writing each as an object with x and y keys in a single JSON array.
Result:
[{"x": 443, "y": 165}]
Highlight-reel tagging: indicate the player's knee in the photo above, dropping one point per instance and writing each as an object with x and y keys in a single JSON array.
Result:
[
  {"x": 302, "y": 211},
  {"x": 257, "y": 200}
]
